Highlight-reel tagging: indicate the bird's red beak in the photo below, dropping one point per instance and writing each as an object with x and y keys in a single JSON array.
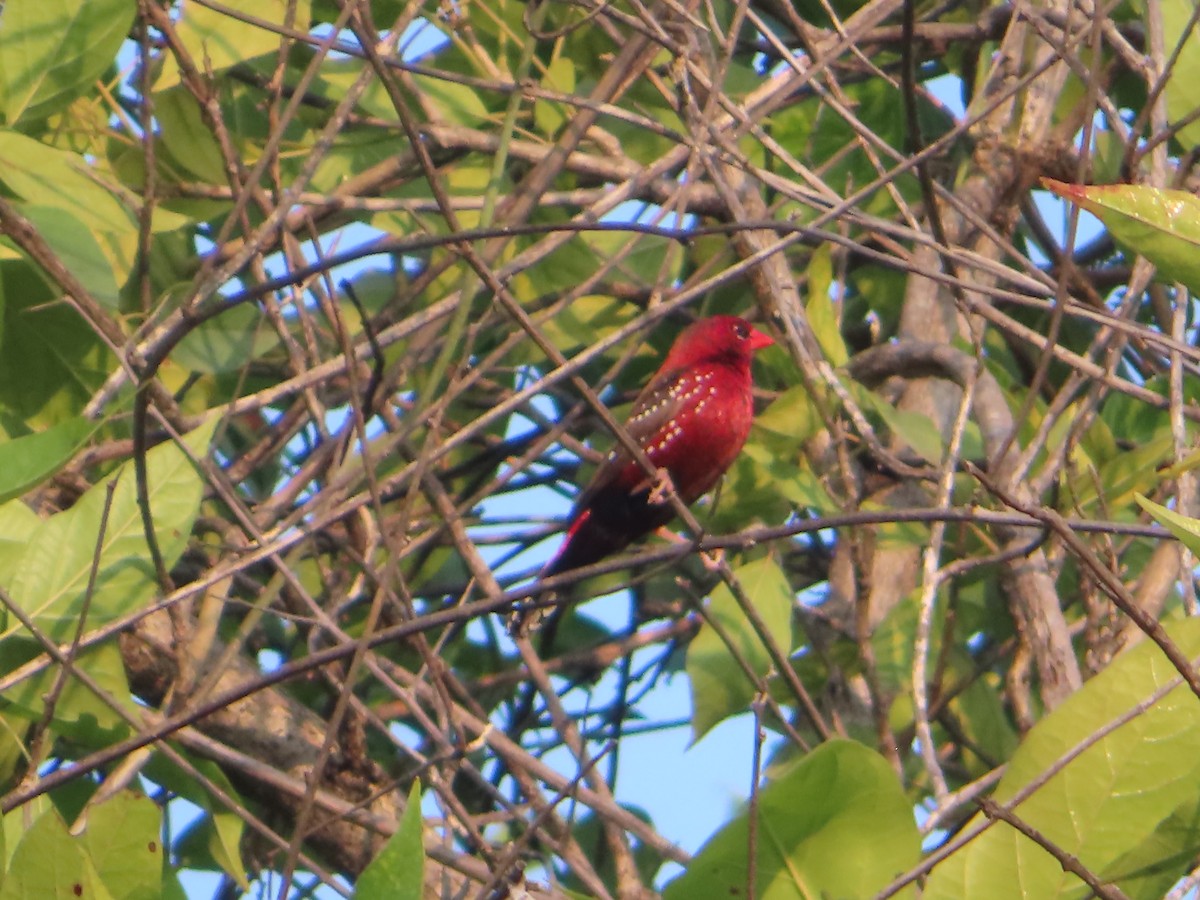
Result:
[{"x": 758, "y": 340}]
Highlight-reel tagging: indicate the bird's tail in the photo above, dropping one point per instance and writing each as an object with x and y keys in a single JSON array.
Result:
[{"x": 588, "y": 541}]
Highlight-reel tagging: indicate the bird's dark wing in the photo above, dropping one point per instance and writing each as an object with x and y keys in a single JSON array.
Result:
[{"x": 650, "y": 419}]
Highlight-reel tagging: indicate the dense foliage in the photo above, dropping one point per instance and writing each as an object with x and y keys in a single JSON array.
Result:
[{"x": 310, "y": 310}]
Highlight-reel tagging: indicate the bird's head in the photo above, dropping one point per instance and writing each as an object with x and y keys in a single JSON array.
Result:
[{"x": 716, "y": 338}]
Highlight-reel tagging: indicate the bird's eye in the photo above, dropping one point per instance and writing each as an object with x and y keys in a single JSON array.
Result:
[{"x": 742, "y": 330}]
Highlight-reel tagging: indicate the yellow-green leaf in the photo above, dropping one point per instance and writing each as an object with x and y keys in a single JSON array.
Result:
[
  {"x": 550, "y": 116},
  {"x": 216, "y": 41},
  {"x": 837, "y": 824},
  {"x": 822, "y": 316},
  {"x": 1161, "y": 225},
  {"x": 51, "y": 582},
  {"x": 719, "y": 685},
  {"x": 398, "y": 871},
  {"x": 53, "y": 50},
  {"x": 1183, "y": 527},
  {"x": 1102, "y": 804}
]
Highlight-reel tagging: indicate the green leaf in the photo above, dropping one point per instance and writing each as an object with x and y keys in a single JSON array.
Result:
[
  {"x": 217, "y": 41},
  {"x": 398, "y": 872},
  {"x": 983, "y": 719},
  {"x": 29, "y": 460},
  {"x": 13, "y": 755},
  {"x": 915, "y": 429},
  {"x": 792, "y": 417},
  {"x": 1125, "y": 474},
  {"x": 50, "y": 359},
  {"x": 590, "y": 832},
  {"x": 76, "y": 247},
  {"x": 213, "y": 841},
  {"x": 719, "y": 686},
  {"x": 824, "y": 138},
  {"x": 822, "y": 317},
  {"x": 643, "y": 258},
  {"x": 838, "y": 824},
  {"x": 124, "y": 840},
  {"x": 44, "y": 176},
  {"x": 1108, "y": 153},
  {"x": 228, "y": 342},
  {"x": 1147, "y": 871},
  {"x": 52, "y": 578},
  {"x": 569, "y": 265},
  {"x": 585, "y": 320},
  {"x": 172, "y": 888},
  {"x": 79, "y": 714},
  {"x": 1185, "y": 67},
  {"x": 893, "y": 642},
  {"x": 186, "y": 137},
  {"x": 49, "y": 864},
  {"x": 457, "y": 103},
  {"x": 17, "y": 523},
  {"x": 1161, "y": 225},
  {"x": 771, "y": 476},
  {"x": 52, "y": 51},
  {"x": 1183, "y": 527},
  {"x": 550, "y": 116},
  {"x": 1107, "y": 802}
]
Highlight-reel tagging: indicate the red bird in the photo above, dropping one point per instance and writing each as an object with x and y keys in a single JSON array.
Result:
[{"x": 691, "y": 420}]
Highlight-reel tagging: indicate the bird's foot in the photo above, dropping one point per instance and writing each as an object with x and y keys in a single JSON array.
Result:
[
  {"x": 523, "y": 620},
  {"x": 527, "y": 616},
  {"x": 663, "y": 487},
  {"x": 712, "y": 560}
]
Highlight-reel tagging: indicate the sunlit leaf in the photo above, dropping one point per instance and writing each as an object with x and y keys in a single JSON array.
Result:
[
  {"x": 51, "y": 582},
  {"x": 80, "y": 714},
  {"x": 397, "y": 871},
  {"x": 914, "y": 428},
  {"x": 560, "y": 76},
  {"x": 1160, "y": 224},
  {"x": 720, "y": 687},
  {"x": 49, "y": 863},
  {"x": 1183, "y": 527},
  {"x": 215, "y": 41},
  {"x": 185, "y": 136},
  {"x": 1183, "y": 45},
  {"x": 123, "y": 838},
  {"x": 53, "y": 50},
  {"x": 43, "y": 176},
  {"x": 456, "y": 102},
  {"x": 1103, "y": 803},
  {"x": 822, "y": 317},
  {"x": 838, "y": 824}
]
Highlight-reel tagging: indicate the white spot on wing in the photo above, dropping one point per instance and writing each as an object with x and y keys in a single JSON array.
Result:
[
  {"x": 694, "y": 389},
  {"x": 672, "y": 431}
]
